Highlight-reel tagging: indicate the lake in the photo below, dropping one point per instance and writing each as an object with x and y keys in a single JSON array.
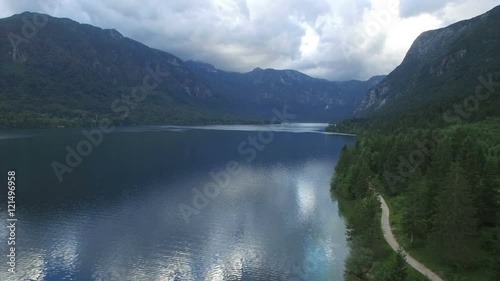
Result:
[{"x": 175, "y": 203}]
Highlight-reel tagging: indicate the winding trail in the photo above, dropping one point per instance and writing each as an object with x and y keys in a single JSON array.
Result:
[{"x": 389, "y": 237}]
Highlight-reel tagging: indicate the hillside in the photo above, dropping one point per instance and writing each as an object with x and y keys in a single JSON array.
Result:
[
  {"x": 260, "y": 90},
  {"x": 71, "y": 74},
  {"x": 429, "y": 142},
  {"x": 441, "y": 66}
]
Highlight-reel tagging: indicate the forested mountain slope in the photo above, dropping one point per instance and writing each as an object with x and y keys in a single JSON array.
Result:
[
  {"x": 57, "y": 72},
  {"x": 311, "y": 99},
  {"x": 66, "y": 73},
  {"x": 442, "y": 65},
  {"x": 429, "y": 140}
]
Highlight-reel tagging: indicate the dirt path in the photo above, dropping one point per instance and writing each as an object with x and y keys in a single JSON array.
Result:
[{"x": 389, "y": 237}]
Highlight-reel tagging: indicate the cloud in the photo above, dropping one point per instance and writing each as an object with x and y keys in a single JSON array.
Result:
[
  {"x": 415, "y": 8},
  {"x": 333, "y": 39}
]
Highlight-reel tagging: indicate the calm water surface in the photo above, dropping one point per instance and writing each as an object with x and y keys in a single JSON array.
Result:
[{"x": 117, "y": 215}]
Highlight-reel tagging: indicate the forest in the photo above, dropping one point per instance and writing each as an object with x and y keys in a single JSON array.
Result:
[{"x": 442, "y": 184}]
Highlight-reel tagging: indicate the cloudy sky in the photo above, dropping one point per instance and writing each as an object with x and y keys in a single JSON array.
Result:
[{"x": 332, "y": 39}]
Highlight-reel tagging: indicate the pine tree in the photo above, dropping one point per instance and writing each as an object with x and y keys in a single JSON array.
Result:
[
  {"x": 496, "y": 251},
  {"x": 455, "y": 221},
  {"x": 360, "y": 177},
  {"x": 395, "y": 269},
  {"x": 496, "y": 256},
  {"x": 364, "y": 220},
  {"x": 344, "y": 161},
  {"x": 346, "y": 173},
  {"x": 440, "y": 163},
  {"x": 360, "y": 259},
  {"x": 440, "y": 166},
  {"x": 472, "y": 159},
  {"x": 416, "y": 207},
  {"x": 486, "y": 204}
]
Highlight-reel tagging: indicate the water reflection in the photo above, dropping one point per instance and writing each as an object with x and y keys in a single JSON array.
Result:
[{"x": 275, "y": 222}]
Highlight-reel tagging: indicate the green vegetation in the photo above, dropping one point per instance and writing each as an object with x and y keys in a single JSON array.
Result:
[
  {"x": 429, "y": 141},
  {"x": 75, "y": 75},
  {"x": 145, "y": 114},
  {"x": 442, "y": 66},
  {"x": 370, "y": 257},
  {"x": 437, "y": 162},
  {"x": 394, "y": 269},
  {"x": 443, "y": 191}
]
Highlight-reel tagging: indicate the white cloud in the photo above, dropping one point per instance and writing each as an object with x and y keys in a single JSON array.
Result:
[
  {"x": 415, "y": 8},
  {"x": 311, "y": 36}
]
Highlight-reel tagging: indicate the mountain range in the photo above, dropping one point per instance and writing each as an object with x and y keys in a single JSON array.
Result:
[
  {"x": 71, "y": 74},
  {"x": 261, "y": 90}
]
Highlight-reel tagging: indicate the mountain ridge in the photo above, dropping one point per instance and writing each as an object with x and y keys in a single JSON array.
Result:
[
  {"x": 436, "y": 64},
  {"x": 70, "y": 74},
  {"x": 323, "y": 99}
]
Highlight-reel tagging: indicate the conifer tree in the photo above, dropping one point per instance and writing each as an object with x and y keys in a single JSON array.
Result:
[
  {"x": 455, "y": 221},
  {"x": 415, "y": 213},
  {"x": 395, "y": 269}
]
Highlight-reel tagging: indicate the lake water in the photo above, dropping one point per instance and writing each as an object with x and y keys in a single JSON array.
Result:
[{"x": 175, "y": 203}]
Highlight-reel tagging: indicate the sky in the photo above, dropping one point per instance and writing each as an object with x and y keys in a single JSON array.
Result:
[{"x": 331, "y": 39}]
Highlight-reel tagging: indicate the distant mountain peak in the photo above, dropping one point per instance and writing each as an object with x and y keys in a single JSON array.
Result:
[
  {"x": 115, "y": 34},
  {"x": 261, "y": 90},
  {"x": 201, "y": 65}
]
